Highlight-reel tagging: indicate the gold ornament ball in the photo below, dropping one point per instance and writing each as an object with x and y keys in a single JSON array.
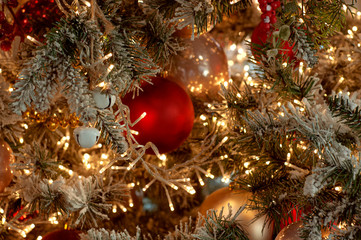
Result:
[
  {"x": 64, "y": 123},
  {"x": 6, "y": 157},
  {"x": 223, "y": 196},
  {"x": 73, "y": 121},
  {"x": 291, "y": 232},
  {"x": 52, "y": 123},
  {"x": 201, "y": 68}
]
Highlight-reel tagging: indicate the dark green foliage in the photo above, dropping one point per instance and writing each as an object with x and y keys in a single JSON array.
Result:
[
  {"x": 160, "y": 42},
  {"x": 221, "y": 227},
  {"x": 340, "y": 107}
]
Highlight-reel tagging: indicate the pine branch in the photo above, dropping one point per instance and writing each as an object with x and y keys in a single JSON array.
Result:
[
  {"x": 132, "y": 63},
  {"x": 44, "y": 196},
  {"x": 39, "y": 160},
  {"x": 166, "y": 8},
  {"x": 102, "y": 234},
  {"x": 199, "y": 14},
  {"x": 159, "y": 38},
  {"x": 222, "y": 227},
  {"x": 348, "y": 112},
  {"x": 304, "y": 47},
  {"x": 79, "y": 97},
  {"x": 111, "y": 131}
]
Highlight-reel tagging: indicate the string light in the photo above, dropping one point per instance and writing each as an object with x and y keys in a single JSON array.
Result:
[
  {"x": 163, "y": 157},
  {"x": 148, "y": 185},
  {"x": 171, "y": 206},
  {"x": 33, "y": 40},
  {"x": 124, "y": 209},
  {"x": 200, "y": 180}
]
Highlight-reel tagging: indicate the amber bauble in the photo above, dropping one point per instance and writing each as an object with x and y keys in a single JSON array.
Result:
[
  {"x": 169, "y": 114},
  {"x": 63, "y": 235},
  {"x": 201, "y": 68},
  {"x": 52, "y": 123},
  {"x": 223, "y": 196},
  {"x": 6, "y": 157},
  {"x": 291, "y": 232}
]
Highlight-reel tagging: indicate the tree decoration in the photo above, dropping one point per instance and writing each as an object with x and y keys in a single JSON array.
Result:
[
  {"x": 168, "y": 114},
  {"x": 34, "y": 17},
  {"x": 63, "y": 235},
  {"x": 103, "y": 100},
  {"x": 86, "y": 137},
  {"x": 6, "y": 157},
  {"x": 201, "y": 67},
  {"x": 53, "y": 119},
  {"x": 291, "y": 232},
  {"x": 223, "y": 197},
  {"x": 265, "y": 35}
]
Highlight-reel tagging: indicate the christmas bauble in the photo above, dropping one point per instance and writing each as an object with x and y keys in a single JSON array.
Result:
[
  {"x": 201, "y": 67},
  {"x": 223, "y": 197},
  {"x": 62, "y": 235},
  {"x": 86, "y": 137},
  {"x": 103, "y": 100},
  {"x": 291, "y": 232},
  {"x": 169, "y": 114},
  {"x": 6, "y": 157}
]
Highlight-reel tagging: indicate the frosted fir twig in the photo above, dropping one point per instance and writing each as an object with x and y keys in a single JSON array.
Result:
[
  {"x": 213, "y": 226},
  {"x": 43, "y": 195},
  {"x": 111, "y": 131},
  {"x": 160, "y": 39},
  {"x": 37, "y": 159},
  {"x": 86, "y": 199},
  {"x": 304, "y": 47},
  {"x": 132, "y": 63},
  {"x": 347, "y": 109},
  {"x": 201, "y": 14},
  {"x": 102, "y": 234},
  {"x": 9, "y": 127},
  {"x": 193, "y": 13}
]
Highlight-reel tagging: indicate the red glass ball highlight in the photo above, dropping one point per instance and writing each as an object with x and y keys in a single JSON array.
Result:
[{"x": 169, "y": 114}]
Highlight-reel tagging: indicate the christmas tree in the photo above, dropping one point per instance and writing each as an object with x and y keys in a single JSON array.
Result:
[{"x": 180, "y": 119}]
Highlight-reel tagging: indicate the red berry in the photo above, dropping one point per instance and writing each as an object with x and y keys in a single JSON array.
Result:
[
  {"x": 266, "y": 14},
  {"x": 262, "y": 2},
  {"x": 270, "y": 1},
  {"x": 5, "y": 45},
  {"x": 2, "y": 17},
  {"x": 12, "y": 3},
  {"x": 273, "y": 19},
  {"x": 265, "y": 26},
  {"x": 275, "y": 5}
]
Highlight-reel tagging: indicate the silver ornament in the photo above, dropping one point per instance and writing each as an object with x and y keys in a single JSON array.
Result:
[
  {"x": 86, "y": 137},
  {"x": 103, "y": 100}
]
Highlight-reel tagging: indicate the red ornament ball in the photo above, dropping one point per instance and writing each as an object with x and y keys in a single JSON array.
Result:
[
  {"x": 62, "y": 235},
  {"x": 169, "y": 114},
  {"x": 6, "y": 157}
]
